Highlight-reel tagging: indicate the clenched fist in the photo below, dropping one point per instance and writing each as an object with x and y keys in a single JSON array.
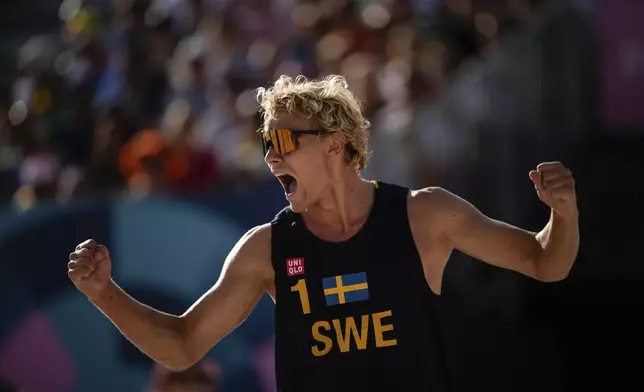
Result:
[
  {"x": 556, "y": 188},
  {"x": 89, "y": 268}
]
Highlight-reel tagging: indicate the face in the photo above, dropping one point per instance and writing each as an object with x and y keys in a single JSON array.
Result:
[{"x": 305, "y": 173}]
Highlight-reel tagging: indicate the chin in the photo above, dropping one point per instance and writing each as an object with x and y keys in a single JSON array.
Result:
[{"x": 296, "y": 206}]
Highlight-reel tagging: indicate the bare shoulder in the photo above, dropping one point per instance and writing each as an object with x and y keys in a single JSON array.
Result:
[
  {"x": 253, "y": 250},
  {"x": 427, "y": 212},
  {"x": 441, "y": 212},
  {"x": 435, "y": 202},
  {"x": 258, "y": 235},
  {"x": 430, "y": 194}
]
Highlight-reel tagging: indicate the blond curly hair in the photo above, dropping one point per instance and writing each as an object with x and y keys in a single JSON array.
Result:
[{"x": 328, "y": 102}]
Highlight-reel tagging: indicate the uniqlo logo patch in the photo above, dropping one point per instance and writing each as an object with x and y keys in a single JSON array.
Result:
[{"x": 295, "y": 266}]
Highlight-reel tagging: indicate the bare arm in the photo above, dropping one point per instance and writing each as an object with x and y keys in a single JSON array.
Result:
[
  {"x": 546, "y": 256},
  {"x": 246, "y": 275},
  {"x": 178, "y": 342},
  {"x": 160, "y": 336},
  {"x": 560, "y": 243}
]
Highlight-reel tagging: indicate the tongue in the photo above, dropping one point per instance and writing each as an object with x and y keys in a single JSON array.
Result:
[{"x": 292, "y": 187}]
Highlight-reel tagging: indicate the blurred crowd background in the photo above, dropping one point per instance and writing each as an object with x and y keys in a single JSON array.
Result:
[
  {"x": 122, "y": 117},
  {"x": 155, "y": 97}
]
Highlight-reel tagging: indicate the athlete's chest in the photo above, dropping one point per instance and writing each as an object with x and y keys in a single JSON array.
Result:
[
  {"x": 374, "y": 262},
  {"x": 346, "y": 297},
  {"x": 328, "y": 279}
]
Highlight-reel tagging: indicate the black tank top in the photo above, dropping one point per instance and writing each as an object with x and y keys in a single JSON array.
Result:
[{"x": 355, "y": 315}]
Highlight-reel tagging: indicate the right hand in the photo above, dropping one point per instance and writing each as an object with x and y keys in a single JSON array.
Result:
[{"x": 90, "y": 268}]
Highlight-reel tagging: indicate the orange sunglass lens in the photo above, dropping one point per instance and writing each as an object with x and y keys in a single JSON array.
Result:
[
  {"x": 287, "y": 143},
  {"x": 281, "y": 140}
]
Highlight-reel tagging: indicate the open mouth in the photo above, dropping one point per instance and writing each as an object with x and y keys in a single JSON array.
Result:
[{"x": 289, "y": 183}]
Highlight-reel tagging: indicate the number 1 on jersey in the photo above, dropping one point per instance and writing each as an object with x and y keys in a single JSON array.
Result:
[{"x": 300, "y": 287}]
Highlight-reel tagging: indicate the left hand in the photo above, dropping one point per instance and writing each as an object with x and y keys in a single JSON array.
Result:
[{"x": 556, "y": 188}]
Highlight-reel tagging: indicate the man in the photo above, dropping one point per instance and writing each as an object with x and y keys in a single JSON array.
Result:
[{"x": 352, "y": 265}]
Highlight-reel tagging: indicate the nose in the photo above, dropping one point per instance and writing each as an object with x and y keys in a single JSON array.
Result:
[{"x": 272, "y": 157}]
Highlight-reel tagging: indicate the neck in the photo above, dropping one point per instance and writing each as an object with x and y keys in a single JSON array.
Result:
[{"x": 344, "y": 204}]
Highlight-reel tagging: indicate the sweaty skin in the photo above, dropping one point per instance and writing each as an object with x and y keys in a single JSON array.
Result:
[{"x": 334, "y": 203}]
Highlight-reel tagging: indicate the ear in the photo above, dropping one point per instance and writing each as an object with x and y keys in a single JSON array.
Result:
[{"x": 336, "y": 144}]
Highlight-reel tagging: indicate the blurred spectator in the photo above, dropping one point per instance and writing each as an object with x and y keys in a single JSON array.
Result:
[
  {"x": 39, "y": 169},
  {"x": 102, "y": 175},
  {"x": 170, "y": 161},
  {"x": 156, "y": 96}
]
